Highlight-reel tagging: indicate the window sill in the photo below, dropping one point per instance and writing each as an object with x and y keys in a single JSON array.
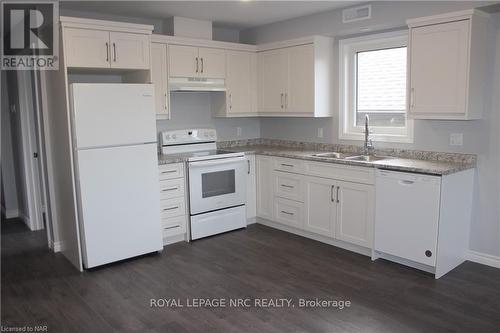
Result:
[{"x": 378, "y": 137}]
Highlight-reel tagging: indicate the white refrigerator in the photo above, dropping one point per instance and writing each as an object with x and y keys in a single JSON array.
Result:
[{"x": 115, "y": 171}]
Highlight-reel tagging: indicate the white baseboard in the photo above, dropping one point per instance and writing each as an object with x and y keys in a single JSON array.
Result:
[
  {"x": 11, "y": 213},
  {"x": 483, "y": 258},
  {"x": 55, "y": 246},
  {"x": 251, "y": 220}
]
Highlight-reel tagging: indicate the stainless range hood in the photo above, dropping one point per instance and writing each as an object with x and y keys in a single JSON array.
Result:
[{"x": 196, "y": 84}]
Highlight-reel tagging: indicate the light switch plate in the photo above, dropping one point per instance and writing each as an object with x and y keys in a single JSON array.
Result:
[
  {"x": 238, "y": 131},
  {"x": 320, "y": 132},
  {"x": 456, "y": 139}
]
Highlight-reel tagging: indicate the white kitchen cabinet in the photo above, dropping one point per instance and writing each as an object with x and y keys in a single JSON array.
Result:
[
  {"x": 321, "y": 210},
  {"x": 251, "y": 188},
  {"x": 288, "y": 185},
  {"x": 296, "y": 80},
  {"x": 183, "y": 61},
  {"x": 159, "y": 77},
  {"x": 192, "y": 61},
  {"x": 86, "y": 48},
  {"x": 355, "y": 213},
  {"x": 446, "y": 57},
  {"x": 212, "y": 63},
  {"x": 241, "y": 95},
  {"x": 289, "y": 212},
  {"x": 129, "y": 50},
  {"x": 299, "y": 97},
  {"x": 89, "y": 48},
  {"x": 265, "y": 196},
  {"x": 273, "y": 78}
]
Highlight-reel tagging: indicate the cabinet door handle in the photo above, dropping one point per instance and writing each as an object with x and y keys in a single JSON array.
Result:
[
  {"x": 331, "y": 193},
  {"x": 287, "y": 213},
  {"x": 202, "y": 65},
  {"x": 107, "y": 52},
  {"x": 170, "y": 208},
  {"x": 287, "y": 165},
  {"x": 169, "y": 171},
  {"x": 230, "y": 101},
  {"x": 114, "y": 52},
  {"x": 166, "y": 101},
  {"x": 412, "y": 97},
  {"x": 197, "y": 67},
  {"x": 287, "y": 186},
  {"x": 338, "y": 188},
  {"x": 286, "y": 100},
  {"x": 170, "y": 189},
  {"x": 172, "y": 226},
  {"x": 281, "y": 98},
  {"x": 248, "y": 162}
]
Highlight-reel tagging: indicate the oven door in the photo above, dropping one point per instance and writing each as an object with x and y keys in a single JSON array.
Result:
[{"x": 216, "y": 184}]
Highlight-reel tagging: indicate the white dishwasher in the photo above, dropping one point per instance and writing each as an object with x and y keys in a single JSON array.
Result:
[{"x": 407, "y": 215}]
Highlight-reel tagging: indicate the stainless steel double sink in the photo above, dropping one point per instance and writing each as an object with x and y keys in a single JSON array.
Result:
[{"x": 342, "y": 156}]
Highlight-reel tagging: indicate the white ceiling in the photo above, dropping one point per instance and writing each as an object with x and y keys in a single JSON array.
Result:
[{"x": 231, "y": 14}]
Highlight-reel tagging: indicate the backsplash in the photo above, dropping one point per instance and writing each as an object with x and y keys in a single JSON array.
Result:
[{"x": 396, "y": 152}]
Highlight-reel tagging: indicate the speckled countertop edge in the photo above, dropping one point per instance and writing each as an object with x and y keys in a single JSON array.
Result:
[{"x": 434, "y": 163}]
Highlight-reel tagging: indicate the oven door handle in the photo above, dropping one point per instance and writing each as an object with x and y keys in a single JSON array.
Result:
[{"x": 219, "y": 161}]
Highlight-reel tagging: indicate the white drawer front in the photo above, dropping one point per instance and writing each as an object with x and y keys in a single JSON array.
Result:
[
  {"x": 171, "y": 171},
  {"x": 341, "y": 172},
  {"x": 174, "y": 226},
  {"x": 289, "y": 212},
  {"x": 172, "y": 188},
  {"x": 288, "y": 185},
  {"x": 172, "y": 207},
  {"x": 288, "y": 164}
]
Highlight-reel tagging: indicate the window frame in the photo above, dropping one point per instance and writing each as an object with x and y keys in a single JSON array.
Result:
[{"x": 348, "y": 49}]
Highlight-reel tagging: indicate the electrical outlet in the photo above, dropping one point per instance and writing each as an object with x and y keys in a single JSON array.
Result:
[
  {"x": 456, "y": 139},
  {"x": 320, "y": 132},
  {"x": 238, "y": 131}
]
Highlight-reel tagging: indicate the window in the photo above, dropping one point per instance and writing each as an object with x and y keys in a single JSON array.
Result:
[{"x": 373, "y": 82}]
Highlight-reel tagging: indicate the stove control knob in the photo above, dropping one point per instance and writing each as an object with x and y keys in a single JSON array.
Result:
[
  {"x": 167, "y": 136},
  {"x": 174, "y": 136}
]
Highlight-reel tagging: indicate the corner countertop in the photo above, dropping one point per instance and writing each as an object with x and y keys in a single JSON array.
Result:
[{"x": 431, "y": 167}]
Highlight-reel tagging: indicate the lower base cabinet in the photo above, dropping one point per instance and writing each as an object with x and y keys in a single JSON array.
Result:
[{"x": 325, "y": 206}]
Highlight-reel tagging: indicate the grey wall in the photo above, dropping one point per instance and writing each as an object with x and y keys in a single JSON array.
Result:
[
  {"x": 192, "y": 110},
  {"x": 480, "y": 136}
]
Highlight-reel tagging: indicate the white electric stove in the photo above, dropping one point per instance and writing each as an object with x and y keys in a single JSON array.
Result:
[{"x": 216, "y": 179}]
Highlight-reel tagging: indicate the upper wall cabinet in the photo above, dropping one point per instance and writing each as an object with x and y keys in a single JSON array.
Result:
[
  {"x": 446, "y": 56},
  {"x": 159, "y": 77},
  {"x": 295, "y": 78},
  {"x": 191, "y": 61},
  {"x": 101, "y": 44}
]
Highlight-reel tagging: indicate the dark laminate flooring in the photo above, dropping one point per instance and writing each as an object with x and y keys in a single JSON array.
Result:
[{"x": 42, "y": 288}]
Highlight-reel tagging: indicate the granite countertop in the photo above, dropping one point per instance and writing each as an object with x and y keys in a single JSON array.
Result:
[{"x": 391, "y": 163}]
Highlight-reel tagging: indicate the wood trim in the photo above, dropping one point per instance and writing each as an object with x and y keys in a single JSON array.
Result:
[
  {"x": 483, "y": 258},
  {"x": 447, "y": 17},
  {"x": 83, "y": 23},
  {"x": 174, "y": 40}
]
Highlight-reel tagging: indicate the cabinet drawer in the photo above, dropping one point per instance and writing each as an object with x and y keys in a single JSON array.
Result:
[
  {"x": 174, "y": 226},
  {"x": 288, "y": 185},
  {"x": 289, "y": 212},
  {"x": 172, "y": 207},
  {"x": 170, "y": 171},
  {"x": 341, "y": 172},
  {"x": 288, "y": 164},
  {"x": 171, "y": 188}
]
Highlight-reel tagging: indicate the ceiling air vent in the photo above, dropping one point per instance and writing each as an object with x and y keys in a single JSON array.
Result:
[{"x": 357, "y": 14}]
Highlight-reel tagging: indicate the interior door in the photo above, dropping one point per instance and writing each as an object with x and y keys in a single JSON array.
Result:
[
  {"x": 321, "y": 208},
  {"x": 86, "y": 48},
  {"x": 183, "y": 61},
  {"x": 273, "y": 67},
  {"x": 119, "y": 203},
  {"x": 239, "y": 82},
  {"x": 355, "y": 213},
  {"x": 129, "y": 51},
  {"x": 299, "y": 96},
  {"x": 159, "y": 77},
  {"x": 212, "y": 63},
  {"x": 438, "y": 78}
]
